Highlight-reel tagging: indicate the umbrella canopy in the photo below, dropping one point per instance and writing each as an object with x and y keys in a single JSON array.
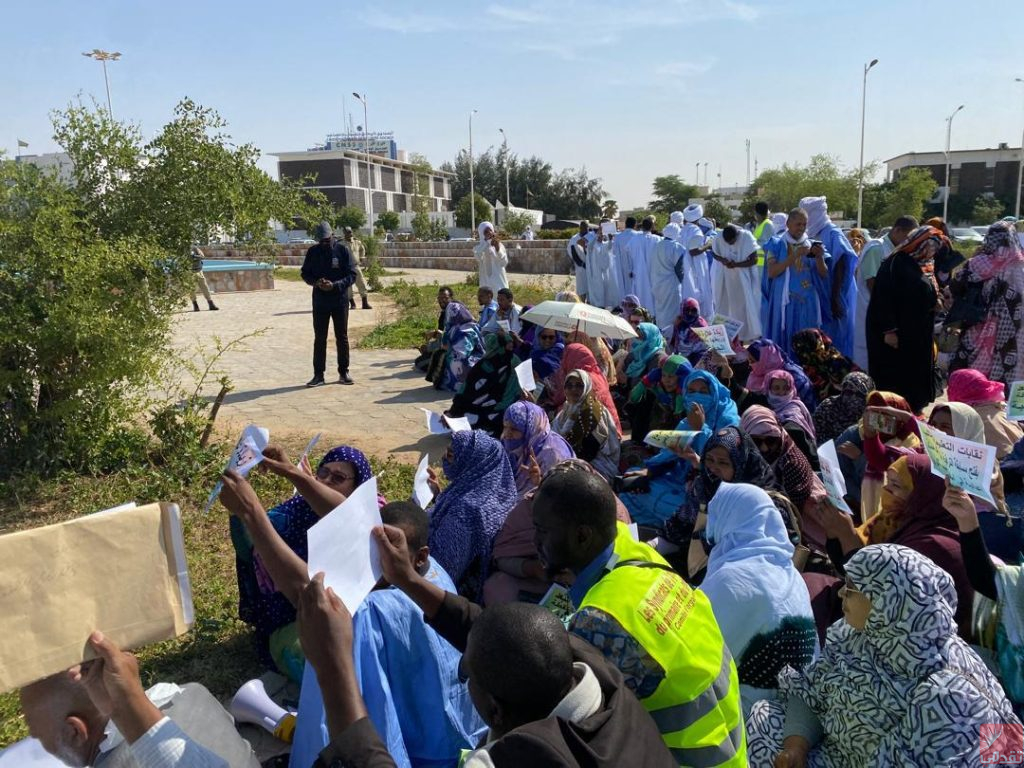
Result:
[{"x": 570, "y": 316}]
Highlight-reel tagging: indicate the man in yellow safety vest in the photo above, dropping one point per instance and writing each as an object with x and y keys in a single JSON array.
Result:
[
  {"x": 764, "y": 230},
  {"x": 647, "y": 621}
]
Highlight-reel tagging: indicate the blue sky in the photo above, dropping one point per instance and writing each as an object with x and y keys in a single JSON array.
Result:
[{"x": 631, "y": 90}]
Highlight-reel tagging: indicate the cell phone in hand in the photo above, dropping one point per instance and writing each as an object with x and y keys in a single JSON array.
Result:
[{"x": 881, "y": 422}]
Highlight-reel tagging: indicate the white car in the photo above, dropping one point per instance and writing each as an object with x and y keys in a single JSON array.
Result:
[
  {"x": 301, "y": 241},
  {"x": 966, "y": 236}
]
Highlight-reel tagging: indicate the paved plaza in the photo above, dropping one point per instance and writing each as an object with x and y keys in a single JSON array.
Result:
[{"x": 379, "y": 414}]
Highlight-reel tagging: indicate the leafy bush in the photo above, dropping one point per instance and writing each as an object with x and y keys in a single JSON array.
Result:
[
  {"x": 463, "y": 212},
  {"x": 348, "y": 216},
  {"x": 515, "y": 223},
  {"x": 556, "y": 234},
  {"x": 388, "y": 221}
]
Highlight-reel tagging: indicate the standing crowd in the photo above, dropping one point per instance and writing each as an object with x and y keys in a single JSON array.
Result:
[{"x": 575, "y": 594}]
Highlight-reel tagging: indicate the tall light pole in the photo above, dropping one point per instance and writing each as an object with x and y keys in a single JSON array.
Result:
[
  {"x": 863, "y": 105},
  {"x": 696, "y": 181},
  {"x": 748, "y": 163},
  {"x": 472, "y": 188},
  {"x": 705, "y": 174},
  {"x": 369, "y": 169},
  {"x": 949, "y": 132},
  {"x": 1020, "y": 164},
  {"x": 103, "y": 57},
  {"x": 508, "y": 196}
]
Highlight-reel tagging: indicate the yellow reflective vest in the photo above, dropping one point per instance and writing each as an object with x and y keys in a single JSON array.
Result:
[
  {"x": 758, "y": 230},
  {"x": 697, "y": 705}
]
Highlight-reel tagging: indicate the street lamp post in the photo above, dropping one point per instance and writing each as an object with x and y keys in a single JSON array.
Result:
[
  {"x": 697, "y": 180},
  {"x": 369, "y": 169},
  {"x": 103, "y": 57},
  {"x": 508, "y": 197},
  {"x": 705, "y": 174},
  {"x": 1020, "y": 165},
  {"x": 863, "y": 106},
  {"x": 472, "y": 187},
  {"x": 949, "y": 132}
]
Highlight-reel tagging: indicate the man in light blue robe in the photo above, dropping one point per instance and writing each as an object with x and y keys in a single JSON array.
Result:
[
  {"x": 407, "y": 673},
  {"x": 793, "y": 299},
  {"x": 640, "y": 249},
  {"x": 840, "y": 312}
]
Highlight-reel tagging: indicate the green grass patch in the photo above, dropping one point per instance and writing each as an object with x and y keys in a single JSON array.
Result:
[
  {"x": 218, "y": 650},
  {"x": 418, "y": 310}
]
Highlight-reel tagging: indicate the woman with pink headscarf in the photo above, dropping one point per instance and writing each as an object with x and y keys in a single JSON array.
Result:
[
  {"x": 793, "y": 414},
  {"x": 988, "y": 398}
]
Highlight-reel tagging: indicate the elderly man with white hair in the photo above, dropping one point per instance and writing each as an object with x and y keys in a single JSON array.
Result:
[
  {"x": 666, "y": 275},
  {"x": 491, "y": 258},
  {"x": 840, "y": 315}
]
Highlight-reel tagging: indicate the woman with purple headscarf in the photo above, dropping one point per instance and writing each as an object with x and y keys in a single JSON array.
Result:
[
  {"x": 467, "y": 515},
  {"x": 528, "y": 438},
  {"x": 272, "y": 616},
  {"x": 463, "y": 347}
]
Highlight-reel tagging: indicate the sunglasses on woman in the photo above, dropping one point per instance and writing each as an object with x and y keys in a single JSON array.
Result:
[
  {"x": 324, "y": 474},
  {"x": 574, "y": 385}
]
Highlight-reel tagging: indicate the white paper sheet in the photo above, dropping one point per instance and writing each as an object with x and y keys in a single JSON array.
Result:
[
  {"x": 608, "y": 228},
  {"x": 524, "y": 372},
  {"x": 458, "y": 424},
  {"x": 437, "y": 424},
  {"x": 247, "y": 454},
  {"x": 342, "y": 546},
  {"x": 832, "y": 476},
  {"x": 421, "y": 492}
]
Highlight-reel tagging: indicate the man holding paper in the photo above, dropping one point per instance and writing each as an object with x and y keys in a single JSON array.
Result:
[{"x": 329, "y": 268}]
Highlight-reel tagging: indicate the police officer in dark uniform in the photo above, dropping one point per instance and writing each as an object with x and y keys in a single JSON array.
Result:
[{"x": 329, "y": 268}]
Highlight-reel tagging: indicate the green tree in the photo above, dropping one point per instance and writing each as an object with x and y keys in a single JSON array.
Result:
[
  {"x": 610, "y": 209},
  {"x": 388, "y": 221},
  {"x": 715, "y": 209},
  {"x": 348, "y": 216},
  {"x": 421, "y": 226},
  {"x": 782, "y": 188},
  {"x": 986, "y": 210},
  {"x": 906, "y": 196},
  {"x": 671, "y": 193},
  {"x": 515, "y": 223},
  {"x": 463, "y": 212},
  {"x": 84, "y": 335}
]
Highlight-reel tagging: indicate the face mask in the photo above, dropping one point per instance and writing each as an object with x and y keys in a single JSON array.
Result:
[
  {"x": 704, "y": 401},
  {"x": 777, "y": 401}
]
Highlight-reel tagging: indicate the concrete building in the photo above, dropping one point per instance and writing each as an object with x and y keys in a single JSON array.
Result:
[
  {"x": 341, "y": 175},
  {"x": 972, "y": 172},
  {"x": 50, "y": 160}
]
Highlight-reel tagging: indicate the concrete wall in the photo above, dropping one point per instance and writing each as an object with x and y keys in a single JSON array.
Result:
[{"x": 532, "y": 257}]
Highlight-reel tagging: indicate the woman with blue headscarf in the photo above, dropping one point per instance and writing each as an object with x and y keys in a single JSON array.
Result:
[
  {"x": 759, "y": 598},
  {"x": 467, "y": 515},
  {"x": 644, "y": 353},
  {"x": 660, "y": 486},
  {"x": 272, "y": 616}
]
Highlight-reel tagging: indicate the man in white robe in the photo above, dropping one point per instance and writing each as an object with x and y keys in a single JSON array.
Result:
[
  {"x": 621, "y": 253},
  {"x": 666, "y": 274},
  {"x": 577, "y": 249},
  {"x": 737, "y": 279},
  {"x": 696, "y": 283},
  {"x": 491, "y": 258},
  {"x": 640, "y": 249},
  {"x": 603, "y": 274}
]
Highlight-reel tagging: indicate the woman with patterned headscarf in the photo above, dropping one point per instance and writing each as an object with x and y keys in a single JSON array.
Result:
[
  {"x": 577, "y": 357},
  {"x": 824, "y": 364},
  {"x": 469, "y": 512},
  {"x": 838, "y": 413},
  {"x": 490, "y": 388},
  {"x": 461, "y": 346},
  {"x": 527, "y": 437},
  {"x": 994, "y": 344},
  {"x": 895, "y": 685},
  {"x": 587, "y": 426},
  {"x": 900, "y": 325},
  {"x": 272, "y": 616}
]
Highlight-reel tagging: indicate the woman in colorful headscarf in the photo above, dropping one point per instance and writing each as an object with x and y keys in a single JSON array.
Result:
[
  {"x": 463, "y": 347},
  {"x": 822, "y": 361},
  {"x": 995, "y": 344},
  {"x": 760, "y": 601},
  {"x": 765, "y": 357},
  {"x": 792, "y": 471},
  {"x": 857, "y": 239},
  {"x": 272, "y": 616},
  {"x": 578, "y": 358},
  {"x": 469, "y": 512},
  {"x": 546, "y": 354},
  {"x": 684, "y": 341},
  {"x": 656, "y": 401},
  {"x": 599, "y": 348},
  {"x": 587, "y": 426},
  {"x": 644, "y": 352},
  {"x": 838, "y": 413},
  {"x": 900, "y": 325},
  {"x": 662, "y": 481},
  {"x": 490, "y": 388},
  {"x": 792, "y": 414},
  {"x": 988, "y": 398},
  {"x": 895, "y": 685},
  {"x": 528, "y": 438},
  {"x": 518, "y": 573}
]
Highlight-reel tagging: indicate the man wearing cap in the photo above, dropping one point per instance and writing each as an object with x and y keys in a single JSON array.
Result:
[
  {"x": 358, "y": 251},
  {"x": 330, "y": 269}
]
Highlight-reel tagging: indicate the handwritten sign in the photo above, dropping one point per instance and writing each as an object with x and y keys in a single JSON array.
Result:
[
  {"x": 247, "y": 454},
  {"x": 524, "y": 372},
  {"x": 715, "y": 338},
  {"x": 966, "y": 464},
  {"x": 608, "y": 228},
  {"x": 670, "y": 438},
  {"x": 732, "y": 325},
  {"x": 832, "y": 476},
  {"x": 1015, "y": 402}
]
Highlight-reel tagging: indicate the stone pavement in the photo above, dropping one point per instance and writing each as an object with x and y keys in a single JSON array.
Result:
[{"x": 379, "y": 414}]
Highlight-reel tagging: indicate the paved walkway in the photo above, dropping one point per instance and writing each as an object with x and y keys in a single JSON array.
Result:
[{"x": 379, "y": 414}]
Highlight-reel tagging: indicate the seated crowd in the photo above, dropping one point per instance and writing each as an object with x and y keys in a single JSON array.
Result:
[{"x": 575, "y": 596}]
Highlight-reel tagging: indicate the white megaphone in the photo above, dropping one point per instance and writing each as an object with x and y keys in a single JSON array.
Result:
[{"x": 252, "y": 705}]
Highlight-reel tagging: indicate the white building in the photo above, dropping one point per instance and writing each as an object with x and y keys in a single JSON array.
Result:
[{"x": 60, "y": 161}]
